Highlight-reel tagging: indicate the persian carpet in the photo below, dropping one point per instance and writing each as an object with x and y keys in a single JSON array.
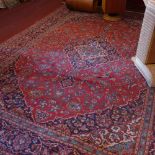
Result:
[{"x": 69, "y": 87}]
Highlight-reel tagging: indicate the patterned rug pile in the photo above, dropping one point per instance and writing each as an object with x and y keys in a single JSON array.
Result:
[{"x": 68, "y": 87}]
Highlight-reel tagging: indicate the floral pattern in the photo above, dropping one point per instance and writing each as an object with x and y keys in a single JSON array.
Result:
[
  {"x": 68, "y": 87},
  {"x": 18, "y": 141}
]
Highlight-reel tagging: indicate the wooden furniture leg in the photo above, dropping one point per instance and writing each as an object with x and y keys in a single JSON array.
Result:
[{"x": 113, "y": 9}]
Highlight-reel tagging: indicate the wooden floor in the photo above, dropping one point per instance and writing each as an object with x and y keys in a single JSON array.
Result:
[{"x": 20, "y": 17}]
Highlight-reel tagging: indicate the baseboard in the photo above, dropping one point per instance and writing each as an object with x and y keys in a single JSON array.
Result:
[{"x": 148, "y": 71}]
